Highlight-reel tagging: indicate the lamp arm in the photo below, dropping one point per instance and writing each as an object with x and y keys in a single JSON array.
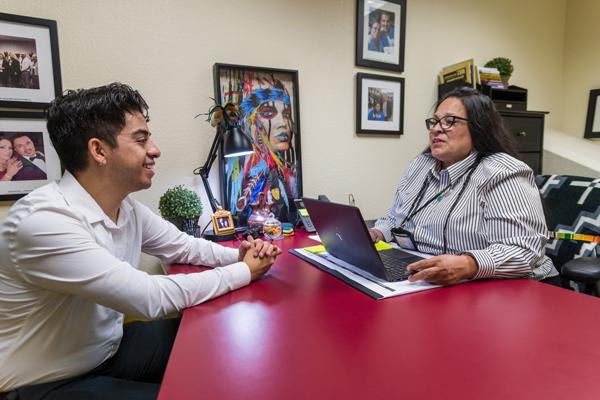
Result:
[{"x": 204, "y": 170}]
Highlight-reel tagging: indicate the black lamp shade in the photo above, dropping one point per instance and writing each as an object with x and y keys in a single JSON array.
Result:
[{"x": 236, "y": 143}]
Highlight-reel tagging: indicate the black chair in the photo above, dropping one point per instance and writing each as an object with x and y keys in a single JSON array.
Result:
[{"x": 572, "y": 204}]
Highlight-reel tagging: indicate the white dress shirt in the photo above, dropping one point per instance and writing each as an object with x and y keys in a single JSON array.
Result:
[
  {"x": 497, "y": 217},
  {"x": 68, "y": 273}
]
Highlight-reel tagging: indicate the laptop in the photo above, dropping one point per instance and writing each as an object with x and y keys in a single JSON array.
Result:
[{"x": 346, "y": 237}]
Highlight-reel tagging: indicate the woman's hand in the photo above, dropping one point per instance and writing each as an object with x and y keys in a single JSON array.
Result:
[
  {"x": 376, "y": 235},
  {"x": 12, "y": 167},
  {"x": 444, "y": 270}
]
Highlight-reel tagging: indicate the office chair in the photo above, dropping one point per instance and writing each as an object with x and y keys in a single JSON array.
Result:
[{"x": 572, "y": 204}]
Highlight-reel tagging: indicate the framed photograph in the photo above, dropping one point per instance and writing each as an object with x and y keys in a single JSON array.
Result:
[
  {"x": 222, "y": 222},
  {"x": 380, "y": 34},
  {"x": 270, "y": 178},
  {"x": 27, "y": 158},
  {"x": 379, "y": 104},
  {"x": 592, "y": 123},
  {"x": 29, "y": 62}
]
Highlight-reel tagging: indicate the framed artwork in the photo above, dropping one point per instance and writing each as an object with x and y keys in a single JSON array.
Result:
[
  {"x": 29, "y": 62},
  {"x": 379, "y": 104},
  {"x": 270, "y": 178},
  {"x": 592, "y": 123},
  {"x": 27, "y": 158},
  {"x": 380, "y": 34}
]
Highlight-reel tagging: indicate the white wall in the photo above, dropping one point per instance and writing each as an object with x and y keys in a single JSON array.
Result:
[{"x": 166, "y": 49}]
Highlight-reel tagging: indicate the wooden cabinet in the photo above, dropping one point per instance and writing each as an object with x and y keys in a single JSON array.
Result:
[{"x": 528, "y": 130}]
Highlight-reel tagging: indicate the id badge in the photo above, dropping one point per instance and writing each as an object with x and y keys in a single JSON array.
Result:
[{"x": 404, "y": 238}]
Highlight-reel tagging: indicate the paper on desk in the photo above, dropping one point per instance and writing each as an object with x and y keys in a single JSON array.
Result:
[
  {"x": 315, "y": 237},
  {"x": 380, "y": 286}
]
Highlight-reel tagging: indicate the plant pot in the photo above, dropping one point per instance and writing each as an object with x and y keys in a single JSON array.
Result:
[{"x": 187, "y": 225}]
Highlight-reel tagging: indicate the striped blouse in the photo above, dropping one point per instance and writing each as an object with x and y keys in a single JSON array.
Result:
[{"x": 498, "y": 217}]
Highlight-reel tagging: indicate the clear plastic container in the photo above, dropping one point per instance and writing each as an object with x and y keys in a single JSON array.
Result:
[{"x": 272, "y": 228}]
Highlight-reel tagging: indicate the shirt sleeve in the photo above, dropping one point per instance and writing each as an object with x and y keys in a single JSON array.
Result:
[
  {"x": 56, "y": 251},
  {"x": 162, "y": 239},
  {"x": 514, "y": 224}
]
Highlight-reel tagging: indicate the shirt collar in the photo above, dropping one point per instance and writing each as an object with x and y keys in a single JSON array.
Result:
[
  {"x": 82, "y": 202},
  {"x": 456, "y": 170}
]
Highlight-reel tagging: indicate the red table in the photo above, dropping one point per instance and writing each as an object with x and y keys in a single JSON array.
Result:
[{"x": 300, "y": 333}]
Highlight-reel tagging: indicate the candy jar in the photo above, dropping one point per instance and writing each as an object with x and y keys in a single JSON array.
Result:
[{"x": 272, "y": 228}]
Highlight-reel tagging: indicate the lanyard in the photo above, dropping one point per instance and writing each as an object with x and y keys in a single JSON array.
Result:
[{"x": 412, "y": 212}]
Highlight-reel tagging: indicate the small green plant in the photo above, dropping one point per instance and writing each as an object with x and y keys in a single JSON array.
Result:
[
  {"x": 503, "y": 65},
  {"x": 179, "y": 202}
]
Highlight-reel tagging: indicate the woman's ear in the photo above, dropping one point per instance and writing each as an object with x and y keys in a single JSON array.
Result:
[{"x": 98, "y": 151}]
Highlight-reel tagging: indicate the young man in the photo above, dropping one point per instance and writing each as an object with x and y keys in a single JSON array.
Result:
[
  {"x": 69, "y": 253},
  {"x": 25, "y": 148}
]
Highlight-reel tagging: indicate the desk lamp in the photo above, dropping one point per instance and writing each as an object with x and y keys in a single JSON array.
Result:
[{"x": 235, "y": 143}]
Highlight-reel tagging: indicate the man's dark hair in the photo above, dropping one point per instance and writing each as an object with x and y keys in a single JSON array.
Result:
[
  {"x": 488, "y": 132},
  {"x": 79, "y": 115}
]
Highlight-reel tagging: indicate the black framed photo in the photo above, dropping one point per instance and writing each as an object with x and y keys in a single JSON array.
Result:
[
  {"x": 592, "y": 123},
  {"x": 380, "y": 34},
  {"x": 27, "y": 158},
  {"x": 270, "y": 178},
  {"x": 29, "y": 62},
  {"x": 379, "y": 104}
]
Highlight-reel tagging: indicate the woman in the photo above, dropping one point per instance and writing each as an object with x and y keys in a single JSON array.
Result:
[
  {"x": 469, "y": 201},
  {"x": 267, "y": 178},
  {"x": 9, "y": 166}
]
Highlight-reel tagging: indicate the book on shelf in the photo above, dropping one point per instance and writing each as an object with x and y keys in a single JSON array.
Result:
[
  {"x": 491, "y": 77},
  {"x": 465, "y": 70}
]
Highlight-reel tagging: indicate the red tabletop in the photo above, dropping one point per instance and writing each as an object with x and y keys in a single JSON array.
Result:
[{"x": 300, "y": 333}]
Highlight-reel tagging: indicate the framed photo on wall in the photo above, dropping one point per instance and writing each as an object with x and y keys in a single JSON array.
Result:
[
  {"x": 379, "y": 104},
  {"x": 270, "y": 178},
  {"x": 380, "y": 34},
  {"x": 27, "y": 158},
  {"x": 29, "y": 61},
  {"x": 592, "y": 123}
]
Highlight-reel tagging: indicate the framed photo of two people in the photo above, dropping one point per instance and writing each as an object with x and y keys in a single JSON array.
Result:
[
  {"x": 27, "y": 158},
  {"x": 380, "y": 34}
]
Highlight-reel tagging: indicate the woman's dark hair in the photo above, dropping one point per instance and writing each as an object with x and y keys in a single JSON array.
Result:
[
  {"x": 488, "y": 132},
  {"x": 79, "y": 115}
]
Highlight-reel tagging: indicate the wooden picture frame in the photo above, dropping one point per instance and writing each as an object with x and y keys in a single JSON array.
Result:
[
  {"x": 379, "y": 104},
  {"x": 380, "y": 34},
  {"x": 271, "y": 177},
  {"x": 36, "y": 167},
  {"x": 592, "y": 123},
  {"x": 31, "y": 43},
  {"x": 222, "y": 222}
]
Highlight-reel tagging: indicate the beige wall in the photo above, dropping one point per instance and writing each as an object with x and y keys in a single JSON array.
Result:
[{"x": 166, "y": 49}]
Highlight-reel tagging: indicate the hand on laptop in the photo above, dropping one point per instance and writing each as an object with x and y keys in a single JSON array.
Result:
[
  {"x": 376, "y": 235},
  {"x": 444, "y": 270}
]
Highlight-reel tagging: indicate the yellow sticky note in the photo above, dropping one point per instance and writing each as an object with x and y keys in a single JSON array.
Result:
[
  {"x": 381, "y": 245},
  {"x": 315, "y": 249},
  {"x": 303, "y": 212}
]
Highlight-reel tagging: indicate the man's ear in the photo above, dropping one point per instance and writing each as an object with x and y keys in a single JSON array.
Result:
[{"x": 98, "y": 150}]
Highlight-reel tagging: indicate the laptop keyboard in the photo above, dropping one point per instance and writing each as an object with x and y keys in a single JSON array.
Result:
[{"x": 395, "y": 263}]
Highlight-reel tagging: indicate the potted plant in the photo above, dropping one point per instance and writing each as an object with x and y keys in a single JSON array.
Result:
[
  {"x": 182, "y": 207},
  {"x": 504, "y": 67}
]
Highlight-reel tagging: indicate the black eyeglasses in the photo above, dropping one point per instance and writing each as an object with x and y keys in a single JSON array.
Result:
[{"x": 445, "y": 122}]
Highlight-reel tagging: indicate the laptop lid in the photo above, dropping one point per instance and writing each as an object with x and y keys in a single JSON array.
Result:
[{"x": 345, "y": 235}]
